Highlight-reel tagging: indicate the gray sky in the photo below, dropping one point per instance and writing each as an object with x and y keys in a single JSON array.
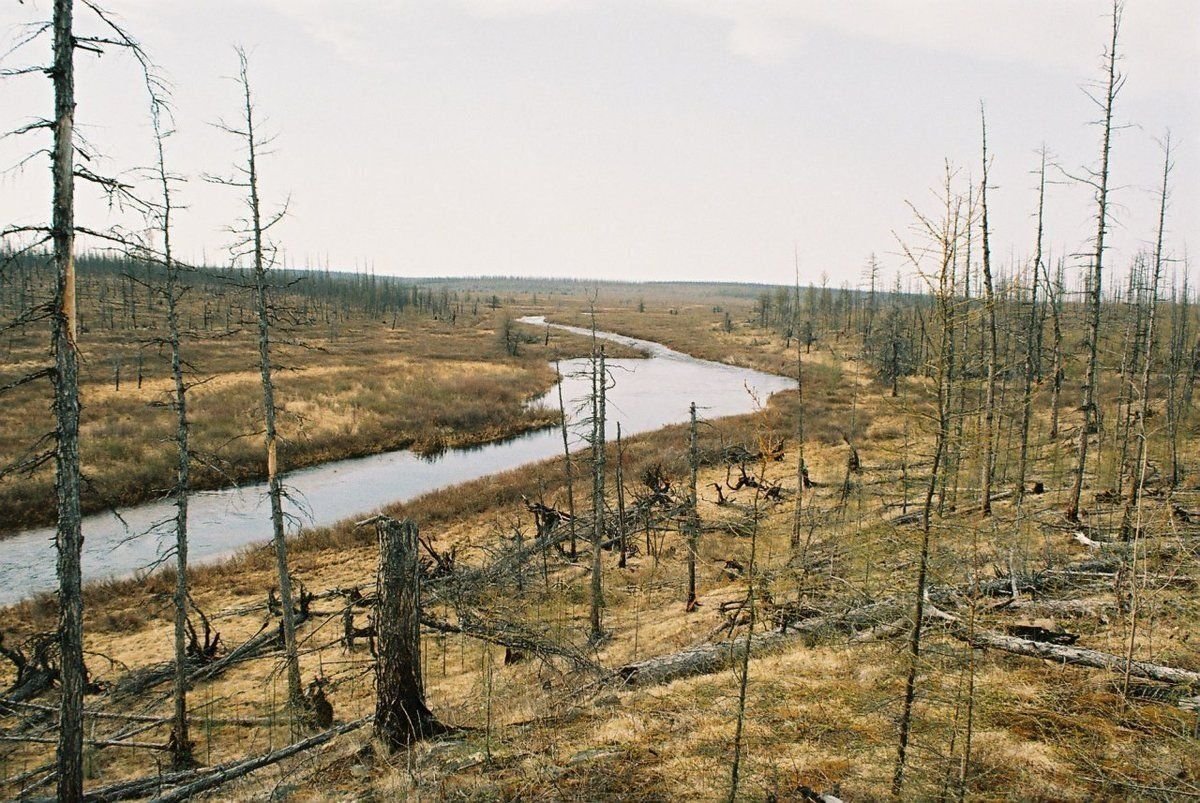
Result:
[{"x": 662, "y": 139}]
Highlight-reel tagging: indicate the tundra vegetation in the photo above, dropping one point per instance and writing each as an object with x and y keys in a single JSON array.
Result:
[{"x": 959, "y": 561}]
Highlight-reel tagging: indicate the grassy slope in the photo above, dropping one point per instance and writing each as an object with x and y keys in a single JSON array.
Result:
[{"x": 820, "y": 714}]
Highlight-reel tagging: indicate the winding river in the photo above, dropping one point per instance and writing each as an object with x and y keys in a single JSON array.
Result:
[{"x": 647, "y": 394}]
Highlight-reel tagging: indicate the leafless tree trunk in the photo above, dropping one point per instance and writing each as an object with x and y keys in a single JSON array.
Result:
[
  {"x": 989, "y": 402},
  {"x": 599, "y": 388},
  {"x": 693, "y": 517},
  {"x": 1032, "y": 341},
  {"x": 401, "y": 716},
  {"x": 945, "y": 234},
  {"x": 1100, "y": 183},
  {"x": 257, "y": 245},
  {"x": 69, "y": 537},
  {"x": 1181, "y": 312},
  {"x": 801, "y": 471},
  {"x": 562, "y": 412},
  {"x": 181, "y": 746},
  {"x": 1054, "y": 295},
  {"x": 623, "y": 561},
  {"x": 1131, "y": 529}
]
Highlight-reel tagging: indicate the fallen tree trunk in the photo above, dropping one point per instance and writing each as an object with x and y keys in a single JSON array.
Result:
[
  {"x": 703, "y": 659},
  {"x": 513, "y": 636},
  {"x": 192, "y": 782},
  {"x": 142, "y": 680},
  {"x": 1076, "y": 656},
  {"x": 237, "y": 770}
]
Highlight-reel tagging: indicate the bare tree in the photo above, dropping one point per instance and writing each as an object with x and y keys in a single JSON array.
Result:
[
  {"x": 254, "y": 245},
  {"x": 693, "y": 516},
  {"x": 69, "y": 538},
  {"x": 989, "y": 296},
  {"x": 172, "y": 292},
  {"x": 1032, "y": 341},
  {"x": 1131, "y": 529},
  {"x": 943, "y": 236},
  {"x": 599, "y": 392},
  {"x": 1099, "y": 182},
  {"x": 562, "y": 413}
]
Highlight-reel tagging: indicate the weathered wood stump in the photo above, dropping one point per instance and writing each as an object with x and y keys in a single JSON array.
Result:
[{"x": 401, "y": 716}]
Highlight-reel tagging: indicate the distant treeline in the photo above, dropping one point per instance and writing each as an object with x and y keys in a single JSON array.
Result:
[{"x": 113, "y": 283}]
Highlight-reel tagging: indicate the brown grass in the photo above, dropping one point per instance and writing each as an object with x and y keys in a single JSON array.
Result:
[
  {"x": 819, "y": 715},
  {"x": 425, "y": 384}
]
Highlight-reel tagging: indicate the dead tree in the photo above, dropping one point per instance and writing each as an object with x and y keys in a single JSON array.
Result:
[
  {"x": 944, "y": 236},
  {"x": 1099, "y": 181},
  {"x": 69, "y": 538},
  {"x": 1054, "y": 296},
  {"x": 802, "y": 480},
  {"x": 693, "y": 517},
  {"x": 401, "y": 716},
  {"x": 1032, "y": 341},
  {"x": 989, "y": 403},
  {"x": 599, "y": 389},
  {"x": 621, "y": 521},
  {"x": 172, "y": 291},
  {"x": 255, "y": 246},
  {"x": 562, "y": 417}
]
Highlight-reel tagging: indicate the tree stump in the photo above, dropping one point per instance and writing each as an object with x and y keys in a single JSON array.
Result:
[{"x": 400, "y": 713}]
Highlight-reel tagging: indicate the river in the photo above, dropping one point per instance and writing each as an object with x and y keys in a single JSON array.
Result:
[{"x": 647, "y": 394}]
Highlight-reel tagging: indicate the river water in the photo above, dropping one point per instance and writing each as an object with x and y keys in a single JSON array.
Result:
[{"x": 647, "y": 394}]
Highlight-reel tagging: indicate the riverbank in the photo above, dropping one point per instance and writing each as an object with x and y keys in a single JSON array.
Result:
[
  {"x": 426, "y": 385},
  {"x": 641, "y": 399},
  {"x": 820, "y": 707}
]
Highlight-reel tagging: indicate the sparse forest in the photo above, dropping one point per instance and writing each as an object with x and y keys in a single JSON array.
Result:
[{"x": 955, "y": 556}]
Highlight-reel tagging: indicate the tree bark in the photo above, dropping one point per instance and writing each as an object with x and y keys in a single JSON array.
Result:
[
  {"x": 599, "y": 387},
  {"x": 693, "y": 517},
  {"x": 69, "y": 535},
  {"x": 401, "y": 716}
]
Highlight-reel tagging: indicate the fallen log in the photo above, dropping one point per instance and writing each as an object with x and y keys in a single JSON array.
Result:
[
  {"x": 188, "y": 783},
  {"x": 146, "y": 678},
  {"x": 706, "y": 658},
  {"x": 512, "y": 636},
  {"x": 232, "y": 772},
  {"x": 88, "y": 742},
  {"x": 702, "y": 659},
  {"x": 155, "y": 720},
  {"x": 1076, "y": 656}
]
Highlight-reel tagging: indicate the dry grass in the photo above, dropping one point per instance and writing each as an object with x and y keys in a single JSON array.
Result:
[
  {"x": 819, "y": 715},
  {"x": 362, "y": 387}
]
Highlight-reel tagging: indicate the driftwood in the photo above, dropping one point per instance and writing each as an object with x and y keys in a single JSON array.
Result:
[{"x": 1064, "y": 654}]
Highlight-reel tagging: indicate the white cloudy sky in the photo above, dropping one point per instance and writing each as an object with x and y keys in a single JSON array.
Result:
[{"x": 660, "y": 139}]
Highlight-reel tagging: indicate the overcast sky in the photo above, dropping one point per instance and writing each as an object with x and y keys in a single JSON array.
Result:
[{"x": 661, "y": 139}]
